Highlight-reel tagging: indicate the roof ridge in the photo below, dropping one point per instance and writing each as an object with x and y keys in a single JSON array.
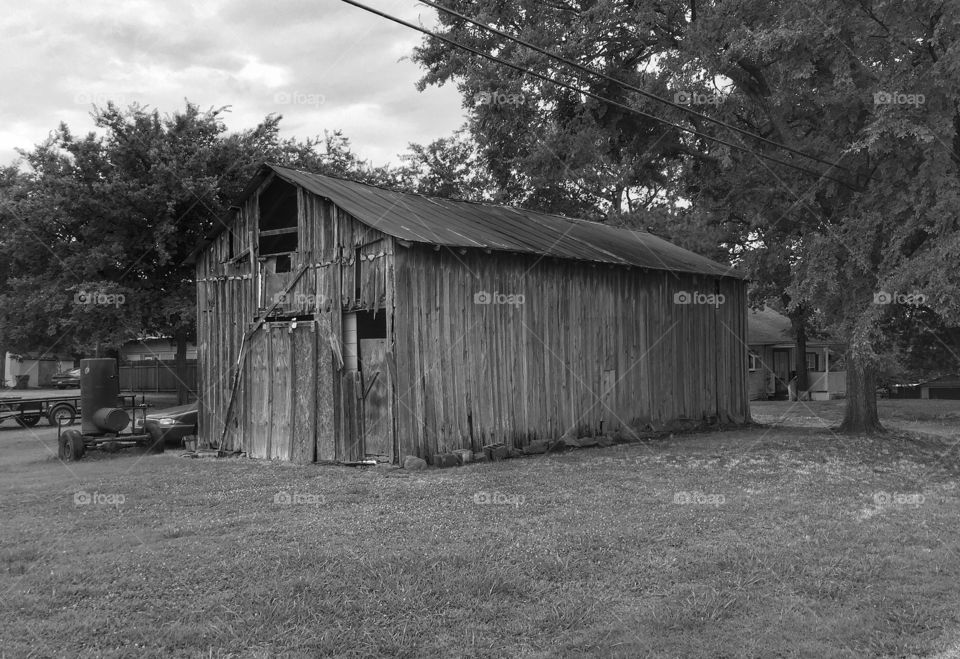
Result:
[
  {"x": 434, "y": 198},
  {"x": 455, "y": 223}
]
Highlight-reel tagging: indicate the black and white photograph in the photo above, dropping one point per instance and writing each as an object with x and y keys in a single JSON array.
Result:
[{"x": 472, "y": 328}]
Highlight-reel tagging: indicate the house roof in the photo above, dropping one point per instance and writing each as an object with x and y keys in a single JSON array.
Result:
[
  {"x": 452, "y": 223},
  {"x": 950, "y": 381},
  {"x": 768, "y": 327}
]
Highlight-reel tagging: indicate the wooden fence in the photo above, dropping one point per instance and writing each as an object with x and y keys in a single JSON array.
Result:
[{"x": 156, "y": 375}]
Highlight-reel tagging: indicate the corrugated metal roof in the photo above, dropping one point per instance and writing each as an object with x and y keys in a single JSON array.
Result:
[{"x": 450, "y": 223}]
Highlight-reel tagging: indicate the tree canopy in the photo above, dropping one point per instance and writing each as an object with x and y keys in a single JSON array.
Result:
[
  {"x": 96, "y": 229},
  {"x": 870, "y": 89}
]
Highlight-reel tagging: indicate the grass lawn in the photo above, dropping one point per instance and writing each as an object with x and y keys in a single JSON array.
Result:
[
  {"x": 937, "y": 417},
  {"x": 768, "y": 541}
]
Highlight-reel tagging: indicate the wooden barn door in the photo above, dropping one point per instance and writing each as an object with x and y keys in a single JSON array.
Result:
[
  {"x": 283, "y": 392},
  {"x": 259, "y": 388},
  {"x": 377, "y": 404}
]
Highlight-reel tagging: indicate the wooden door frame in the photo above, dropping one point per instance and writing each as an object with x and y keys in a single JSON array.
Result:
[
  {"x": 388, "y": 398},
  {"x": 785, "y": 381}
]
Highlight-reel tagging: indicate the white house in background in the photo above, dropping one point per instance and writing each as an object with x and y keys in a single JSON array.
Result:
[
  {"x": 38, "y": 368},
  {"x": 772, "y": 349},
  {"x": 41, "y": 368},
  {"x": 155, "y": 348}
]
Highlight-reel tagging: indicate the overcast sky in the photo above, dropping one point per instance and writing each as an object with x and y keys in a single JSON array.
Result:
[{"x": 322, "y": 64}]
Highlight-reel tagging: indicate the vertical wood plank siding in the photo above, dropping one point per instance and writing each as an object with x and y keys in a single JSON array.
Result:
[
  {"x": 593, "y": 348},
  {"x": 227, "y": 308}
]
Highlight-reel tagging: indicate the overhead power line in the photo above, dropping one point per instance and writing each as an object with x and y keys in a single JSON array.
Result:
[
  {"x": 598, "y": 97},
  {"x": 627, "y": 85}
]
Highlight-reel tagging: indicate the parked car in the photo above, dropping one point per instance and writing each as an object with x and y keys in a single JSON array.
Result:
[
  {"x": 173, "y": 423},
  {"x": 67, "y": 379}
]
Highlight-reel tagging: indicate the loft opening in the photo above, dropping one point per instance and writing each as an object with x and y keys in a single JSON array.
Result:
[
  {"x": 278, "y": 219},
  {"x": 371, "y": 325}
]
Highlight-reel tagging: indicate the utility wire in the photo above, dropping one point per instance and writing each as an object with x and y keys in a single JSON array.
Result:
[
  {"x": 602, "y": 99},
  {"x": 627, "y": 85}
]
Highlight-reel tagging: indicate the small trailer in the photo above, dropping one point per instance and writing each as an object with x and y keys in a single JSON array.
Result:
[
  {"x": 105, "y": 418},
  {"x": 27, "y": 409}
]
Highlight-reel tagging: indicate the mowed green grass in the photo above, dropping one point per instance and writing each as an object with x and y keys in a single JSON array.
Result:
[{"x": 798, "y": 547}]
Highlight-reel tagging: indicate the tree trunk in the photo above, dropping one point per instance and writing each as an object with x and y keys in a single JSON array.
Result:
[
  {"x": 800, "y": 363},
  {"x": 861, "y": 415},
  {"x": 180, "y": 368}
]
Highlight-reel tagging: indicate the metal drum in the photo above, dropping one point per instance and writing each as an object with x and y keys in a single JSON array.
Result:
[{"x": 111, "y": 419}]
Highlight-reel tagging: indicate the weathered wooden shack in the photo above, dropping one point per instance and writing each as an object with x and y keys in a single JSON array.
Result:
[{"x": 339, "y": 321}]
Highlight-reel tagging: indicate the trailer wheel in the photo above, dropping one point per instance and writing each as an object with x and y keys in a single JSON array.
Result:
[
  {"x": 60, "y": 412},
  {"x": 27, "y": 419},
  {"x": 157, "y": 441},
  {"x": 71, "y": 446}
]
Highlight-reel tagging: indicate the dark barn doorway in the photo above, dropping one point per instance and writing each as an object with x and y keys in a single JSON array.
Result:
[{"x": 370, "y": 383}]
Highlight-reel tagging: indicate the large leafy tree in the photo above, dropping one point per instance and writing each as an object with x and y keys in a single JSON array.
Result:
[
  {"x": 97, "y": 230},
  {"x": 550, "y": 148},
  {"x": 447, "y": 167},
  {"x": 871, "y": 87}
]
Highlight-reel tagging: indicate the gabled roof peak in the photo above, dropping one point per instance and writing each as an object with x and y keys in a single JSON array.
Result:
[{"x": 455, "y": 223}]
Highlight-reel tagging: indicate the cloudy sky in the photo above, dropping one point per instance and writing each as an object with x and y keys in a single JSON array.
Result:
[{"x": 322, "y": 64}]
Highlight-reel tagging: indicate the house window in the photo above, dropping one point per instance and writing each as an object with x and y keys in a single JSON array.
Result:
[
  {"x": 278, "y": 219},
  {"x": 813, "y": 361},
  {"x": 752, "y": 361}
]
